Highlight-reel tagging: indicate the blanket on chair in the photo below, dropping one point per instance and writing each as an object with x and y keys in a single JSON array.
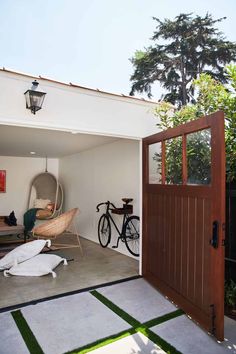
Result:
[{"x": 29, "y": 219}]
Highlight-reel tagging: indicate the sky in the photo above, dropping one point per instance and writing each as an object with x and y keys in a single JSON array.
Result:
[{"x": 90, "y": 42}]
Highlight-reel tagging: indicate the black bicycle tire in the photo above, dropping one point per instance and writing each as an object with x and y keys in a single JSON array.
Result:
[
  {"x": 133, "y": 217},
  {"x": 109, "y": 226}
]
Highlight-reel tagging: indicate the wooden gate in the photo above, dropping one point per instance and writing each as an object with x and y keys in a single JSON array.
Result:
[{"x": 184, "y": 217}]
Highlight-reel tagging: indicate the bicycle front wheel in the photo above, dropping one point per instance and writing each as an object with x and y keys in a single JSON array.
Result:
[
  {"x": 104, "y": 230},
  {"x": 131, "y": 235}
]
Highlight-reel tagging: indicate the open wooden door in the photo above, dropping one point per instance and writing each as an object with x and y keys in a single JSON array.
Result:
[{"x": 184, "y": 217}]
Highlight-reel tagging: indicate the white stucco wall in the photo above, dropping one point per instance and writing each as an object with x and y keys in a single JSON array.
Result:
[
  {"x": 75, "y": 109},
  {"x": 20, "y": 171},
  {"x": 109, "y": 172}
]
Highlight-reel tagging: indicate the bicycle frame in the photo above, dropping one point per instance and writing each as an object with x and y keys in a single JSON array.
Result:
[{"x": 107, "y": 212}]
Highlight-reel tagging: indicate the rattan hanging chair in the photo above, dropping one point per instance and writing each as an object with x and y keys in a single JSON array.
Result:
[
  {"x": 46, "y": 186},
  {"x": 63, "y": 224}
]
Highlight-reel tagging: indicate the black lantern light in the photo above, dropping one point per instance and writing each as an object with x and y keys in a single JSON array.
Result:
[{"x": 34, "y": 99}]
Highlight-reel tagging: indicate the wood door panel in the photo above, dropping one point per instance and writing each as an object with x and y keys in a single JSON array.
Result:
[
  {"x": 185, "y": 247},
  {"x": 178, "y": 241},
  {"x": 177, "y": 228},
  {"x": 199, "y": 299},
  {"x": 191, "y": 254}
]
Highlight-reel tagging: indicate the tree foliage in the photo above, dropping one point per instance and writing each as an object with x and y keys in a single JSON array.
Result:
[
  {"x": 183, "y": 48},
  {"x": 211, "y": 97}
]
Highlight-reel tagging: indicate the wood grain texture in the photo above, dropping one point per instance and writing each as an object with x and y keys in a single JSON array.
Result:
[{"x": 177, "y": 227}]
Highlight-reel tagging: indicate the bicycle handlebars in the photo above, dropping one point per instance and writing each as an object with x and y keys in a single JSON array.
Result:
[
  {"x": 106, "y": 203},
  {"x": 97, "y": 207}
]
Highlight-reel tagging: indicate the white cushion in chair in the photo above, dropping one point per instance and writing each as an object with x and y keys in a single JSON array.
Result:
[
  {"x": 41, "y": 264},
  {"x": 23, "y": 252},
  {"x": 41, "y": 203}
]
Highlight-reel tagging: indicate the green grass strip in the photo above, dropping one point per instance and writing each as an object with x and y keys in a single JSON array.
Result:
[
  {"x": 124, "y": 315},
  {"x": 34, "y": 347},
  {"x": 143, "y": 328},
  {"x": 102, "y": 342},
  {"x": 168, "y": 348},
  {"x": 164, "y": 318},
  {"x": 27, "y": 334}
]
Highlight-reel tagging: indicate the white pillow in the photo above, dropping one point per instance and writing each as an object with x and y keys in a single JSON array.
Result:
[
  {"x": 41, "y": 264},
  {"x": 23, "y": 252},
  {"x": 41, "y": 203}
]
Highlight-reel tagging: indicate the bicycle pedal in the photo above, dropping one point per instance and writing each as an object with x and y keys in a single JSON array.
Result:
[{"x": 114, "y": 246}]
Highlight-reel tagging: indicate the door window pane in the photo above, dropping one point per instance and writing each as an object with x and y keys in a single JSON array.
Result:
[
  {"x": 173, "y": 163},
  {"x": 154, "y": 161},
  {"x": 199, "y": 157}
]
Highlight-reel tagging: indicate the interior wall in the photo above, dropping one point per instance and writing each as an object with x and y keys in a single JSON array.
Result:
[
  {"x": 19, "y": 173},
  {"x": 109, "y": 172}
]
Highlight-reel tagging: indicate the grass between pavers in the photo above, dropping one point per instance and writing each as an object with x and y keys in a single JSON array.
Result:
[
  {"x": 136, "y": 327},
  {"x": 27, "y": 334},
  {"x": 167, "y": 347},
  {"x": 164, "y": 318},
  {"x": 102, "y": 342},
  {"x": 124, "y": 315}
]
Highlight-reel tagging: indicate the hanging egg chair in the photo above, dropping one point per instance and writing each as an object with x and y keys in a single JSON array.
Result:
[{"x": 46, "y": 193}]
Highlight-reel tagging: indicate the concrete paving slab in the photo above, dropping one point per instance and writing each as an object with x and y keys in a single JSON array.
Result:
[
  {"x": 189, "y": 338},
  {"x": 135, "y": 344},
  {"x": 68, "y": 323},
  {"x": 230, "y": 335},
  {"x": 139, "y": 299},
  {"x": 11, "y": 340}
]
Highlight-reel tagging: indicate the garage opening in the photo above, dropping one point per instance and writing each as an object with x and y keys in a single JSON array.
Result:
[{"x": 91, "y": 169}]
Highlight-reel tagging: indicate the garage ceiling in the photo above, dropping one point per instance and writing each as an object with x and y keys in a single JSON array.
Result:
[{"x": 20, "y": 141}]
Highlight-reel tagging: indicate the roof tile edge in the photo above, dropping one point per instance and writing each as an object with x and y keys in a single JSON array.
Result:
[{"x": 70, "y": 84}]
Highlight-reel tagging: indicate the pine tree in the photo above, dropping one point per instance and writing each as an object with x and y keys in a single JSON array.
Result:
[{"x": 183, "y": 48}]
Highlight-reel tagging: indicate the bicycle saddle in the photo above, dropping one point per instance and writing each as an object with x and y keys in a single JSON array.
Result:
[{"x": 127, "y": 200}]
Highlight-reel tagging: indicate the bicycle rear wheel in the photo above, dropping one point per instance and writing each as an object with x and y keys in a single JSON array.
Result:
[
  {"x": 131, "y": 235},
  {"x": 104, "y": 230}
]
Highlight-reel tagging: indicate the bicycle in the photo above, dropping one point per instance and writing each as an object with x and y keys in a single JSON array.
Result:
[{"x": 129, "y": 233}]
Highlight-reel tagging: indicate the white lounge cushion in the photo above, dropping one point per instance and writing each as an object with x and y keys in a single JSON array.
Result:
[
  {"x": 23, "y": 252},
  {"x": 41, "y": 203},
  {"x": 41, "y": 264}
]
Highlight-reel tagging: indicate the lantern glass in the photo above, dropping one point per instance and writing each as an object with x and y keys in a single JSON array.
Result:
[{"x": 34, "y": 100}]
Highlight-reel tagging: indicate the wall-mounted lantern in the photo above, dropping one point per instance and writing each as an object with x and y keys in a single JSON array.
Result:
[{"x": 34, "y": 99}]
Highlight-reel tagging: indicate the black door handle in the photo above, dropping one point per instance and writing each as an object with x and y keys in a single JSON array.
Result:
[{"x": 215, "y": 234}]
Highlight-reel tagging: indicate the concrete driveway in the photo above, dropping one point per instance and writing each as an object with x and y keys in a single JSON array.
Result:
[{"x": 129, "y": 317}]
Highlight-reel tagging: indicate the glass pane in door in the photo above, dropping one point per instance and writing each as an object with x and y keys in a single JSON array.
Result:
[
  {"x": 154, "y": 161},
  {"x": 199, "y": 157},
  {"x": 173, "y": 162}
]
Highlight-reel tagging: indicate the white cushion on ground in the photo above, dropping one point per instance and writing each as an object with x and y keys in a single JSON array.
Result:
[
  {"x": 41, "y": 203},
  {"x": 41, "y": 264},
  {"x": 23, "y": 252}
]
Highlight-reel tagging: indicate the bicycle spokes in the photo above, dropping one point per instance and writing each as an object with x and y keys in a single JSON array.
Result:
[
  {"x": 132, "y": 235},
  {"x": 104, "y": 230}
]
